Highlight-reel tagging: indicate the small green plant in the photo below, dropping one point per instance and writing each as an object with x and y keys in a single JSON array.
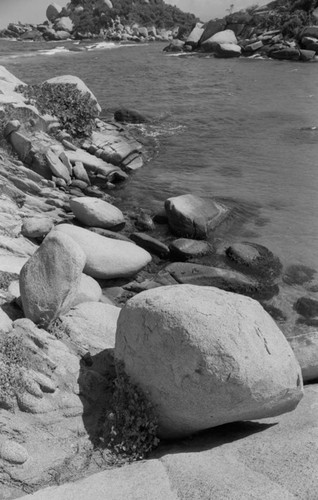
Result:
[
  {"x": 130, "y": 427},
  {"x": 75, "y": 110},
  {"x": 13, "y": 360}
]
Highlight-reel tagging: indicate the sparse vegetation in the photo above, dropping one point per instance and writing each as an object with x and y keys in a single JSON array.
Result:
[
  {"x": 130, "y": 427},
  {"x": 75, "y": 111},
  {"x": 13, "y": 359}
]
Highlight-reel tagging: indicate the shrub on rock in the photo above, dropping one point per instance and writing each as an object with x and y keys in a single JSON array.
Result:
[
  {"x": 50, "y": 279},
  {"x": 206, "y": 357}
]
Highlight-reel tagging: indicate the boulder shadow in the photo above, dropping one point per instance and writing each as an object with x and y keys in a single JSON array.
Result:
[
  {"x": 211, "y": 438},
  {"x": 95, "y": 381}
]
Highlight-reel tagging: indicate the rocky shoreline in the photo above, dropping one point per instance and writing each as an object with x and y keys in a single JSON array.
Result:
[{"x": 70, "y": 260}]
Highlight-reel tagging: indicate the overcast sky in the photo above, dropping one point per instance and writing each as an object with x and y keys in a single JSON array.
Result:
[{"x": 33, "y": 11}]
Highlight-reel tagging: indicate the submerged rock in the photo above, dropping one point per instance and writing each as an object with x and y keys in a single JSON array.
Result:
[
  {"x": 225, "y": 279},
  {"x": 185, "y": 248},
  {"x": 305, "y": 347},
  {"x": 129, "y": 116},
  {"x": 254, "y": 258},
  {"x": 206, "y": 357},
  {"x": 307, "y": 307},
  {"x": 298, "y": 274}
]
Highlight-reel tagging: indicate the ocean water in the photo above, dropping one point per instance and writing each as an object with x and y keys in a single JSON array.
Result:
[{"x": 240, "y": 130}]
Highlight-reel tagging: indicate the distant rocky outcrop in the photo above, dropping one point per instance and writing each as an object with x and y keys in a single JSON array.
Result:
[{"x": 282, "y": 29}]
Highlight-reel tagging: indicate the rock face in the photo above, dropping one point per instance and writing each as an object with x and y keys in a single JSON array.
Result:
[
  {"x": 226, "y": 37},
  {"x": 194, "y": 217},
  {"x": 107, "y": 258},
  {"x": 64, "y": 24},
  {"x": 50, "y": 279},
  {"x": 53, "y": 11},
  {"x": 96, "y": 213},
  {"x": 206, "y": 357},
  {"x": 78, "y": 82}
]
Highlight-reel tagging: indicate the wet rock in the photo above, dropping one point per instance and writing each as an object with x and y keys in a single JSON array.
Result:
[
  {"x": 310, "y": 43},
  {"x": 144, "y": 222},
  {"x": 129, "y": 116},
  {"x": 50, "y": 279},
  {"x": 298, "y": 274},
  {"x": 175, "y": 46},
  {"x": 307, "y": 55},
  {"x": 193, "y": 217},
  {"x": 225, "y": 279},
  {"x": 161, "y": 217},
  {"x": 185, "y": 248},
  {"x": 227, "y": 50},
  {"x": 254, "y": 258},
  {"x": 36, "y": 227},
  {"x": 275, "y": 312},
  {"x": 107, "y": 258},
  {"x": 151, "y": 244},
  {"x": 181, "y": 344},
  {"x": 97, "y": 213},
  {"x": 289, "y": 53},
  {"x": 13, "y": 452},
  {"x": 306, "y": 307}
]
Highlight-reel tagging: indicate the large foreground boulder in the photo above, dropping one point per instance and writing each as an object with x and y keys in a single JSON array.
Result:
[
  {"x": 206, "y": 357},
  {"x": 50, "y": 279},
  {"x": 107, "y": 258},
  {"x": 193, "y": 217}
]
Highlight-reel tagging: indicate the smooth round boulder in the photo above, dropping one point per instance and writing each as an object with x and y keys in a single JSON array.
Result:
[
  {"x": 94, "y": 212},
  {"x": 36, "y": 227},
  {"x": 107, "y": 258},
  {"x": 50, "y": 279},
  {"x": 185, "y": 248},
  {"x": 206, "y": 357}
]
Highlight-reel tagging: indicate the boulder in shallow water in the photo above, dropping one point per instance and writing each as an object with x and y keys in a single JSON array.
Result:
[
  {"x": 195, "y": 35},
  {"x": 96, "y": 213},
  {"x": 50, "y": 279},
  {"x": 193, "y": 217},
  {"x": 129, "y": 116},
  {"x": 206, "y": 357},
  {"x": 307, "y": 307},
  {"x": 289, "y": 53},
  {"x": 255, "y": 259},
  {"x": 222, "y": 37},
  {"x": 227, "y": 50},
  {"x": 106, "y": 258},
  {"x": 185, "y": 248}
]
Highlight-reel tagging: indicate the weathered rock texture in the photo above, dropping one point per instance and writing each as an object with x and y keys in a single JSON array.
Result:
[
  {"x": 49, "y": 281},
  {"x": 206, "y": 357}
]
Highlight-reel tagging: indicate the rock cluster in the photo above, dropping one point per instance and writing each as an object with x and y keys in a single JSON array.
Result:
[
  {"x": 253, "y": 34},
  {"x": 60, "y": 25}
]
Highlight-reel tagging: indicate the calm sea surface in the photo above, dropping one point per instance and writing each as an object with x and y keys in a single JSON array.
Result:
[{"x": 231, "y": 129}]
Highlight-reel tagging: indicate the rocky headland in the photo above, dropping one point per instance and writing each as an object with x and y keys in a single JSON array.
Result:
[
  {"x": 118, "y": 21},
  {"x": 118, "y": 329},
  {"x": 283, "y": 29}
]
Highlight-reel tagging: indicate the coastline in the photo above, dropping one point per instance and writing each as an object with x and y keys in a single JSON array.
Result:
[{"x": 61, "y": 213}]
